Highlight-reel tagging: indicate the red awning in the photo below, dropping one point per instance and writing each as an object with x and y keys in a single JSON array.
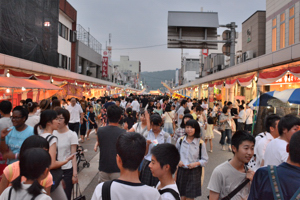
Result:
[{"x": 11, "y": 82}]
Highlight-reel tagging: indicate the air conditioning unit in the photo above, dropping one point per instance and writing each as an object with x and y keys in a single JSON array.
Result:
[{"x": 249, "y": 55}]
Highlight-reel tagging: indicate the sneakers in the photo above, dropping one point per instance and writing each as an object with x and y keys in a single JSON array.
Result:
[
  {"x": 223, "y": 148},
  {"x": 210, "y": 151},
  {"x": 229, "y": 148}
]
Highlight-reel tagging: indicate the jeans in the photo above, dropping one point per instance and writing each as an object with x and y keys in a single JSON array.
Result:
[
  {"x": 74, "y": 127},
  {"x": 227, "y": 133},
  {"x": 67, "y": 177}
]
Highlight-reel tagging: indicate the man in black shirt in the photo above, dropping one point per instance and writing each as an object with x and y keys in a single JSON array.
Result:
[
  {"x": 144, "y": 101},
  {"x": 107, "y": 138}
]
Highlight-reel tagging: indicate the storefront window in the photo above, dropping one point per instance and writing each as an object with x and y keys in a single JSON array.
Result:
[
  {"x": 282, "y": 30},
  {"x": 274, "y": 29},
  {"x": 292, "y": 26}
]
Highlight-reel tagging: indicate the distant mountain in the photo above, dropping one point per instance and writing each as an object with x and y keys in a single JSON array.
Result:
[{"x": 153, "y": 79}]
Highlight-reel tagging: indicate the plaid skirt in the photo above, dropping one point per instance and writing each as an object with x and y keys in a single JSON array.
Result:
[
  {"x": 189, "y": 182},
  {"x": 146, "y": 175}
]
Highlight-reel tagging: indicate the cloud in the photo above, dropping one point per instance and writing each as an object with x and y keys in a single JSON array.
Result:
[{"x": 136, "y": 23}]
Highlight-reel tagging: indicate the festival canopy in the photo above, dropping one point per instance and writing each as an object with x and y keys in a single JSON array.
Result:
[
  {"x": 10, "y": 82},
  {"x": 290, "y": 95}
]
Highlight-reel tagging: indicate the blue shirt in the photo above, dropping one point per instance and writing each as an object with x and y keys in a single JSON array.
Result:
[
  {"x": 189, "y": 152},
  {"x": 15, "y": 139},
  {"x": 289, "y": 179}
]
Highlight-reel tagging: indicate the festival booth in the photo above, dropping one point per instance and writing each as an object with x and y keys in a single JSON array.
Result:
[{"x": 16, "y": 89}]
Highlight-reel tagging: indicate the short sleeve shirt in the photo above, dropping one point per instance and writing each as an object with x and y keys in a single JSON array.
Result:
[
  {"x": 65, "y": 140},
  {"x": 180, "y": 112},
  {"x": 225, "y": 178},
  {"x": 275, "y": 153},
  {"x": 15, "y": 139},
  {"x": 74, "y": 113}
]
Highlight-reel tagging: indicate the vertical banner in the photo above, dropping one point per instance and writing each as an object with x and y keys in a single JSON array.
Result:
[
  {"x": 105, "y": 64},
  {"x": 205, "y": 52}
]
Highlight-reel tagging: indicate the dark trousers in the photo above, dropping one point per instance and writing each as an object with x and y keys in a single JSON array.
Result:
[
  {"x": 248, "y": 127},
  {"x": 227, "y": 133},
  {"x": 74, "y": 127},
  {"x": 67, "y": 177},
  {"x": 240, "y": 126}
]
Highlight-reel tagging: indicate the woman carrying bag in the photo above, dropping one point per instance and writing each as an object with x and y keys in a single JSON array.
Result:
[{"x": 226, "y": 127}]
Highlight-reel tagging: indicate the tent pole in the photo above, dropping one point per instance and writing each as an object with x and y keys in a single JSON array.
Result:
[{"x": 298, "y": 110}]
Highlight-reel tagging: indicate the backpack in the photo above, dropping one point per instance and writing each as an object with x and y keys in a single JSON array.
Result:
[
  {"x": 57, "y": 174},
  {"x": 173, "y": 192},
  {"x": 275, "y": 184}
]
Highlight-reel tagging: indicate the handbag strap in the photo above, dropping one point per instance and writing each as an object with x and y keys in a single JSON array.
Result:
[
  {"x": 236, "y": 190},
  {"x": 275, "y": 184},
  {"x": 106, "y": 190},
  {"x": 9, "y": 193}
]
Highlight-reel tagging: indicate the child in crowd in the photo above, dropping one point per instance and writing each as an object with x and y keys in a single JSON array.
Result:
[
  {"x": 92, "y": 121},
  {"x": 229, "y": 175},
  {"x": 209, "y": 132},
  {"x": 34, "y": 169},
  {"x": 189, "y": 171},
  {"x": 164, "y": 161},
  {"x": 83, "y": 126}
]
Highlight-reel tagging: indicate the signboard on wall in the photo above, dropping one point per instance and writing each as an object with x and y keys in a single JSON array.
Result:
[{"x": 105, "y": 64}]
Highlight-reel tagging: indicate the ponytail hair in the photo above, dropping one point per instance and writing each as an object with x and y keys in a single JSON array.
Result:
[
  {"x": 129, "y": 112},
  {"x": 32, "y": 167},
  {"x": 46, "y": 116}
]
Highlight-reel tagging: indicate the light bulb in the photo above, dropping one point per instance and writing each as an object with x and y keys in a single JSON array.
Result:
[
  {"x": 7, "y": 90},
  {"x": 23, "y": 89},
  {"x": 8, "y": 74}
]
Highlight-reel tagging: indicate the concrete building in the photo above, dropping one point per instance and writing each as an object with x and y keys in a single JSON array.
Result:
[
  {"x": 66, "y": 48},
  {"x": 254, "y": 36},
  {"x": 275, "y": 69},
  {"x": 131, "y": 70},
  {"x": 89, "y": 58}
]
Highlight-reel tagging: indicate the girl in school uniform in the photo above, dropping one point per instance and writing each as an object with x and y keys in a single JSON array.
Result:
[
  {"x": 193, "y": 157},
  {"x": 154, "y": 137}
]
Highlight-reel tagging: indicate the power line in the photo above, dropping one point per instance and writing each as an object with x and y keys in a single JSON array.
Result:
[{"x": 144, "y": 47}]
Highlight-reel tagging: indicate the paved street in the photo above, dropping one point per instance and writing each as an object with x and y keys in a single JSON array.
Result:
[{"x": 88, "y": 177}]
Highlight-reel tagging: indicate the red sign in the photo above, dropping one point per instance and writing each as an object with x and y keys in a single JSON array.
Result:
[
  {"x": 288, "y": 78},
  {"x": 105, "y": 64}
]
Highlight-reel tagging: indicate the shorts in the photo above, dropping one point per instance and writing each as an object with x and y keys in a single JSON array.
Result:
[{"x": 91, "y": 126}]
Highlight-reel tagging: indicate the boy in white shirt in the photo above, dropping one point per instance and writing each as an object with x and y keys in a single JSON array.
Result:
[
  {"x": 131, "y": 148},
  {"x": 164, "y": 161},
  {"x": 275, "y": 153}
]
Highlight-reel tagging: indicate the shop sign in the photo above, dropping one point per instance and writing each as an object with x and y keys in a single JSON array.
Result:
[
  {"x": 288, "y": 78},
  {"x": 105, "y": 64}
]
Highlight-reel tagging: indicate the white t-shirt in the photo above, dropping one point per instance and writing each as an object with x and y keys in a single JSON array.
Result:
[
  {"x": 180, "y": 111},
  {"x": 275, "y": 153},
  {"x": 135, "y": 106},
  {"x": 189, "y": 105},
  {"x": 123, "y": 190},
  {"x": 74, "y": 113},
  {"x": 65, "y": 140},
  {"x": 260, "y": 148},
  {"x": 168, "y": 195},
  {"x": 225, "y": 178},
  {"x": 169, "y": 116},
  {"x": 139, "y": 129},
  {"x": 22, "y": 194},
  {"x": 5, "y": 122},
  {"x": 32, "y": 120},
  {"x": 242, "y": 116},
  {"x": 249, "y": 116}
]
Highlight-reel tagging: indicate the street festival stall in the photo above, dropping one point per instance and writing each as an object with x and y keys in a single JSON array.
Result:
[
  {"x": 16, "y": 89},
  {"x": 280, "y": 103}
]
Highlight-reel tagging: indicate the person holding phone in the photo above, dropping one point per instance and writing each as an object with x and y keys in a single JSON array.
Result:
[{"x": 66, "y": 146}]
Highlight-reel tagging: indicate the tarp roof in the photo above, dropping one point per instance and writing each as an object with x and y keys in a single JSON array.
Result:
[{"x": 11, "y": 82}]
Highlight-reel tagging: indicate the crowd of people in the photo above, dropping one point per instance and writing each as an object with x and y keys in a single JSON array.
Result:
[{"x": 151, "y": 147}]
